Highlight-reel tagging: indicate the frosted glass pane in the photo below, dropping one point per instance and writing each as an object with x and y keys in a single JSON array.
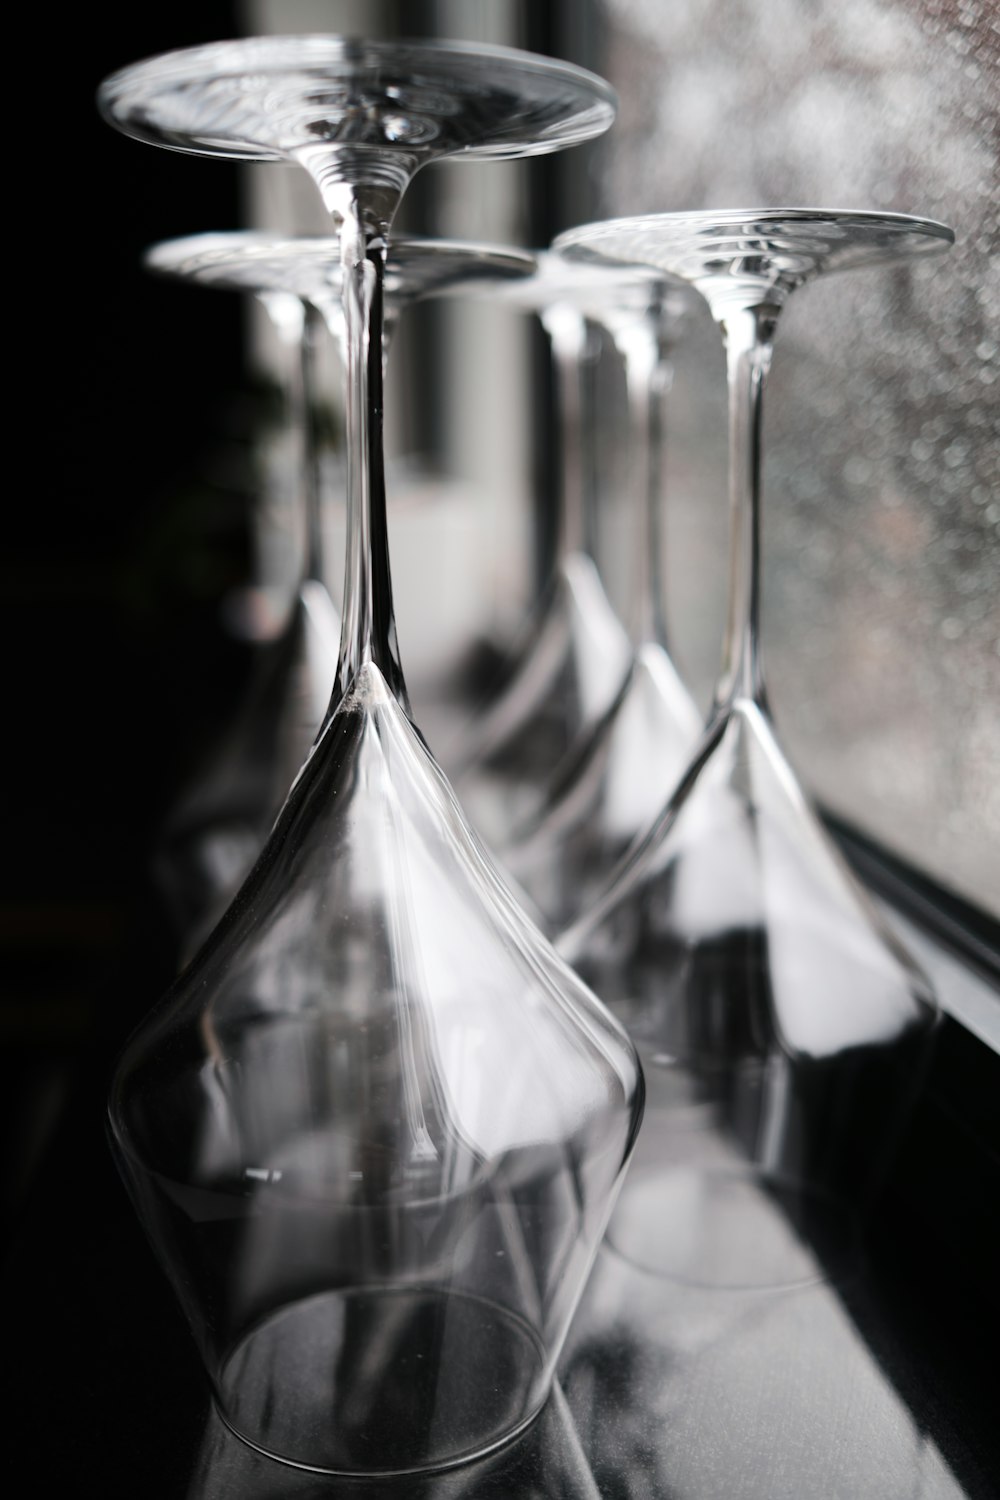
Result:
[{"x": 882, "y": 522}]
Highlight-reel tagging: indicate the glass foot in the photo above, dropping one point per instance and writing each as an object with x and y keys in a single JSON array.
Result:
[{"x": 270, "y": 97}]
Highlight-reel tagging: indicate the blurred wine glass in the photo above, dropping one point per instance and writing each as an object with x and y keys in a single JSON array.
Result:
[{"x": 782, "y": 1024}]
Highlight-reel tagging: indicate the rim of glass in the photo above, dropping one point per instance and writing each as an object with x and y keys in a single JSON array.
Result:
[
  {"x": 259, "y": 262},
  {"x": 228, "y": 59},
  {"x": 191, "y": 254},
  {"x": 733, "y": 217}
]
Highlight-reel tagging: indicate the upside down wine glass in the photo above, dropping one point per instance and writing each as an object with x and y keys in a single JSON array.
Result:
[
  {"x": 309, "y": 268},
  {"x": 781, "y": 1023},
  {"x": 375, "y": 1130},
  {"x": 618, "y": 773},
  {"x": 218, "y": 827},
  {"x": 569, "y": 663}
]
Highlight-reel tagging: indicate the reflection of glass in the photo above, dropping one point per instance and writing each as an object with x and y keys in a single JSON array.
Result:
[
  {"x": 216, "y": 830},
  {"x": 376, "y": 1128},
  {"x": 699, "y": 1391},
  {"x": 782, "y": 1024},
  {"x": 617, "y": 775}
]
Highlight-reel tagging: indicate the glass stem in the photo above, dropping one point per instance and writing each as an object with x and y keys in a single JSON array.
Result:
[
  {"x": 647, "y": 378},
  {"x": 369, "y": 627},
  {"x": 289, "y": 317},
  {"x": 586, "y": 378},
  {"x": 571, "y": 342},
  {"x": 748, "y": 333},
  {"x": 312, "y": 440}
]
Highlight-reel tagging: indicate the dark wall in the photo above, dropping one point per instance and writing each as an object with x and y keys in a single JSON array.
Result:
[{"x": 124, "y": 524}]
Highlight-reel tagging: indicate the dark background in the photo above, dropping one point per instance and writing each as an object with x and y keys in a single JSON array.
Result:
[{"x": 125, "y": 525}]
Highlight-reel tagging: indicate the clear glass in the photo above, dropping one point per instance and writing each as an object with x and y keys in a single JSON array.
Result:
[
  {"x": 574, "y": 654},
  {"x": 618, "y": 773},
  {"x": 376, "y": 1129},
  {"x": 308, "y": 268},
  {"x": 217, "y": 827},
  {"x": 782, "y": 1025}
]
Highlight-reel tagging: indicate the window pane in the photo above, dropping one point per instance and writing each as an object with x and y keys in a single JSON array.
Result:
[{"x": 882, "y": 515}]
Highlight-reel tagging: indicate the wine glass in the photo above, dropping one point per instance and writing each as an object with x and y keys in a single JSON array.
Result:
[
  {"x": 308, "y": 268},
  {"x": 215, "y": 831},
  {"x": 220, "y": 826},
  {"x": 617, "y": 775},
  {"x": 574, "y": 655},
  {"x": 781, "y": 1023},
  {"x": 376, "y": 1129}
]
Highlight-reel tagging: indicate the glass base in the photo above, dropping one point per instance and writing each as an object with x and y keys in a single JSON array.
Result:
[
  {"x": 741, "y": 1230},
  {"x": 267, "y": 97},
  {"x": 383, "y": 1381}
]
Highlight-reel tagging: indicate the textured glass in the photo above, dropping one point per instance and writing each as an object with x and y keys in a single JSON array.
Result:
[{"x": 882, "y": 535}]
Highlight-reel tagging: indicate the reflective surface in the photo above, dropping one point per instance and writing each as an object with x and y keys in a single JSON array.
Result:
[
  {"x": 881, "y": 1385},
  {"x": 689, "y": 1392},
  {"x": 782, "y": 1026}
]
